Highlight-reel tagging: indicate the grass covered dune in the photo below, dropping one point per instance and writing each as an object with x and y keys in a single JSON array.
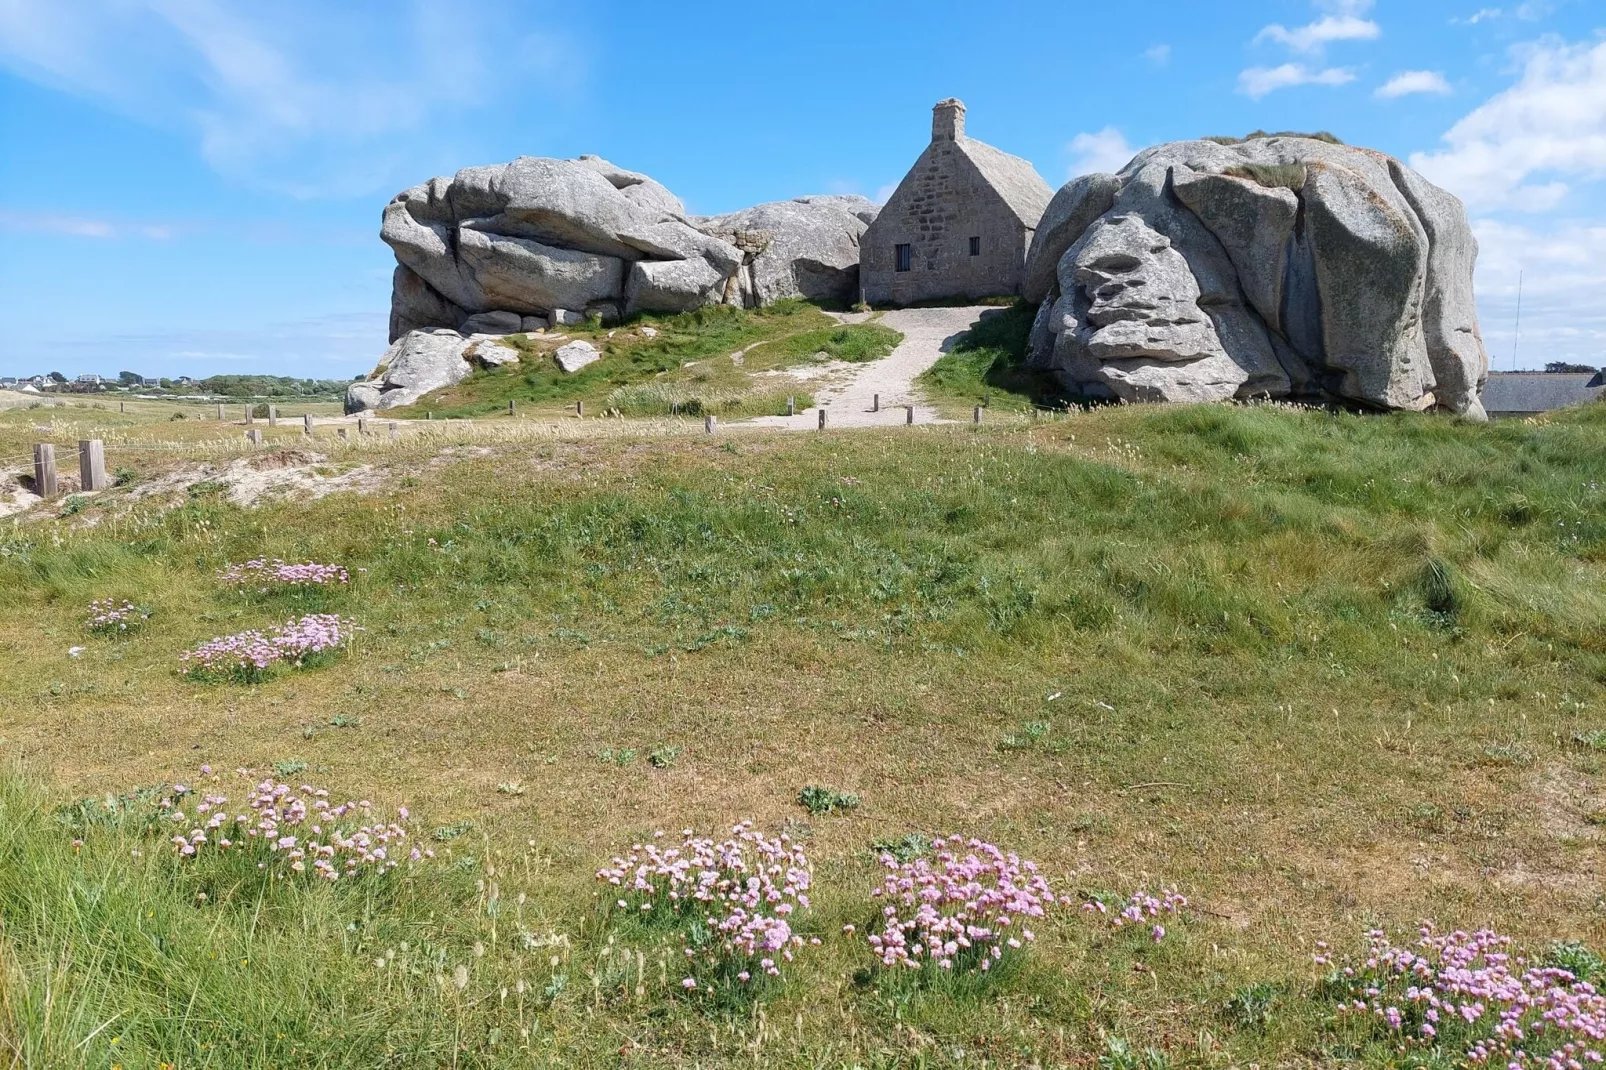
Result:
[{"x": 1321, "y": 673}]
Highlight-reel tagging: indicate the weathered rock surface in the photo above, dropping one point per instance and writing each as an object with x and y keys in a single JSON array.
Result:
[
  {"x": 808, "y": 247},
  {"x": 1274, "y": 267},
  {"x": 423, "y": 361},
  {"x": 576, "y": 355},
  {"x": 492, "y": 323},
  {"x": 543, "y": 238}
]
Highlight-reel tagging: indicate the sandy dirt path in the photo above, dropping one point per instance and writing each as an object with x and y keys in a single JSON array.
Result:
[{"x": 849, "y": 396}]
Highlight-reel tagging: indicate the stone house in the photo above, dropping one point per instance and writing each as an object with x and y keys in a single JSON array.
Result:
[{"x": 959, "y": 225}]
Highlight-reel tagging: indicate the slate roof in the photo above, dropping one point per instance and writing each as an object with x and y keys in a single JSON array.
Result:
[
  {"x": 1015, "y": 179},
  {"x": 1526, "y": 392}
]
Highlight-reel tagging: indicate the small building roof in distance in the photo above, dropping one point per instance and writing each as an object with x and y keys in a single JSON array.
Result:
[
  {"x": 1015, "y": 179},
  {"x": 1513, "y": 392}
]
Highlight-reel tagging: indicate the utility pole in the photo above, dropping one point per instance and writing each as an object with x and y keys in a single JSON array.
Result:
[{"x": 1517, "y": 341}]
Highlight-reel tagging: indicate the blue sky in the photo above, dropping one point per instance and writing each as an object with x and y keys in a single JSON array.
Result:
[{"x": 195, "y": 186}]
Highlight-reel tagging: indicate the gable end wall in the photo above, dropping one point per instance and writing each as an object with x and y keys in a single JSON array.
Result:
[{"x": 938, "y": 207}]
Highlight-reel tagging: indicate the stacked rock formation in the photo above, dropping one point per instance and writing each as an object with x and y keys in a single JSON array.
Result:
[
  {"x": 508, "y": 246},
  {"x": 1272, "y": 267},
  {"x": 540, "y": 243}
]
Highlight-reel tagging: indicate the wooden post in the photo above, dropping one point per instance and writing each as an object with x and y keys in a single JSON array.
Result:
[
  {"x": 908, "y": 414},
  {"x": 306, "y": 424},
  {"x": 254, "y": 436},
  {"x": 362, "y": 426},
  {"x": 975, "y": 415},
  {"x": 220, "y": 416},
  {"x": 710, "y": 424},
  {"x": 273, "y": 416},
  {"x": 429, "y": 415},
  {"x": 44, "y": 470},
  {"x": 250, "y": 414},
  {"x": 875, "y": 406},
  {"x": 122, "y": 406},
  {"x": 791, "y": 406},
  {"x": 579, "y": 408},
  {"x": 822, "y": 417},
  {"x": 510, "y": 409},
  {"x": 91, "y": 464}
]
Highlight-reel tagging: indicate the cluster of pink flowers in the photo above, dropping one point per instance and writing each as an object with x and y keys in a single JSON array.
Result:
[
  {"x": 1470, "y": 992},
  {"x": 299, "y": 827},
  {"x": 107, "y": 616},
  {"x": 1142, "y": 909},
  {"x": 960, "y": 910},
  {"x": 248, "y": 655},
  {"x": 743, "y": 889},
  {"x": 264, "y": 575}
]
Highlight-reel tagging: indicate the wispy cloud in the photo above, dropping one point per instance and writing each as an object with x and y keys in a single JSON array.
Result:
[
  {"x": 1522, "y": 148},
  {"x": 1159, "y": 55},
  {"x": 298, "y": 95},
  {"x": 1256, "y": 82},
  {"x": 1408, "y": 82},
  {"x": 1101, "y": 152},
  {"x": 1324, "y": 31},
  {"x": 1531, "y": 11},
  {"x": 83, "y": 227}
]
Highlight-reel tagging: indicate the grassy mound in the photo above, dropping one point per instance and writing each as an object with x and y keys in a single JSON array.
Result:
[
  {"x": 989, "y": 364},
  {"x": 684, "y": 368},
  {"x": 1319, "y": 671}
]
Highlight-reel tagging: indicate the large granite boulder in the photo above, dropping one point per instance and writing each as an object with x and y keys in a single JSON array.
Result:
[
  {"x": 543, "y": 238},
  {"x": 808, "y": 247},
  {"x": 1272, "y": 267},
  {"x": 533, "y": 236},
  {"x": 423, "y": 361}
]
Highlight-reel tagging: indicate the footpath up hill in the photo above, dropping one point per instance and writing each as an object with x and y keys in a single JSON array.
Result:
[{"x": 1320, "y": 672}]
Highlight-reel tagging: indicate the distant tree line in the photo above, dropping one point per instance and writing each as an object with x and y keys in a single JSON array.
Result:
[
  {"x": 1559, "y": 366},
  {"x": 272, "y": 386}
]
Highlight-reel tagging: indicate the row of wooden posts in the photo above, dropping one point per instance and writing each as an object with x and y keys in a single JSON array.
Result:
[
  {"x": 92, "y": 452},
  {"x": 91, "y": 467}
]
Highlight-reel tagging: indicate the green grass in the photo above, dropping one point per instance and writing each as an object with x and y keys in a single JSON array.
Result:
[
  {"x": 685, "y": 369},
  {"x": 988, "y": 365},
  {"x": 1322, "y": 671}
]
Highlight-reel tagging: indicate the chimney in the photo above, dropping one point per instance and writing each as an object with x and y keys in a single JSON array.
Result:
[{"x": 948, "y": 120}]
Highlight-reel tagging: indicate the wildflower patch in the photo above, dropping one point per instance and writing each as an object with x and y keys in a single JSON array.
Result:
[
  {"x": 1471, "y": 998},
  {"x": 108, "y": 616},
  {"x": 249, "y": 656},
  {"x": 288, "y": 830},
  {"x": 734, "y": 902},
  {"x": 964, "y": 909},
  {"x": 262, "y": 575}
]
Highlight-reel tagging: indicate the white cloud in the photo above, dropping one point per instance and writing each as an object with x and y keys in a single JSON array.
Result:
[
  {"x": 82, "y": 226},
  {"x": 1159, "y": 55},
  {"x": 1256, "y": 82},
  {"x": 1520, "y": 149},
  {"x": 296, "y": 95},
  {"x": 884, "y": 194},
  {"x": 1103, "y": 152},
  {"x": 1531, "y": 11},
  {"x": 1407, "y": 82},
  {"x": 1563, "y": 276},
  {"x": 1317, "y": 35}
]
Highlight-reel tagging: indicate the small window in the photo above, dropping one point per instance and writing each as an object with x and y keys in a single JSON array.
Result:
[
  {"x": 905, "y": 258},
  {"x": 975, "y": 246}
]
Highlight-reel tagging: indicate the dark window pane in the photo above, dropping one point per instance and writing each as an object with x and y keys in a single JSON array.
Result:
[
  {"x": 975, "y": 247},
  {"x": 904, "y": 259}
]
